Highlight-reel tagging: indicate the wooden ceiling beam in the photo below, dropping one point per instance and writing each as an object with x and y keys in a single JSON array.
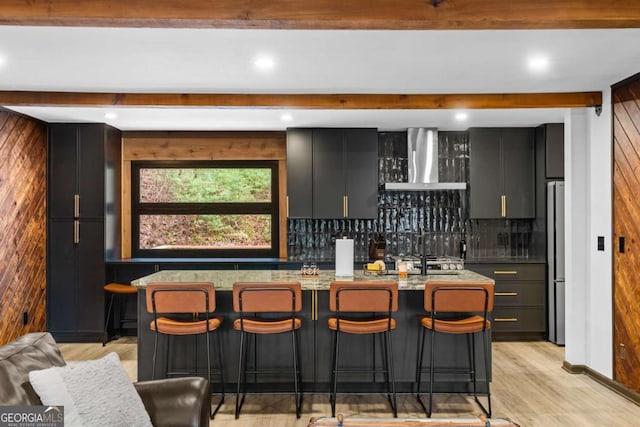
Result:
[
  {"x": 326, "y": 14},
  {"x": 304, "y": 101}
]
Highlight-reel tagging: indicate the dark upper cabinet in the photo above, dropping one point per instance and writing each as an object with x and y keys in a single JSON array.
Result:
[
  {"x": 485, "y": 178},
  {"x": 299, "y": 167},
  {"x": 81, "y": 157},
  {"x": 361, "y": 181},
  {"x": 552, "y": 137},
  {"x": 83, "y": 226},
  {"x": 502, "y": 167},
  {"x": 332, "y": 173},
  {"x": 328, "y": 173}
]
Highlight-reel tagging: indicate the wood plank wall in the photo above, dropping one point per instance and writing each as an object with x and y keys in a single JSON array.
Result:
[
  {"x": 626, "y": 224},
  {"x": 23, "y": 183},
  {"x": 171, "y": 145}
]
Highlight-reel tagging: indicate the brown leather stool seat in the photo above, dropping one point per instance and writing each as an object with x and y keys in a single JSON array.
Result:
[
  {"x": 357, "y": 299},
  {"x": 198, "y": 300},
  {"x": 469, "y": 303},
  {"x": 121, "y": 291},
  {"x": 267, "y": 308}
]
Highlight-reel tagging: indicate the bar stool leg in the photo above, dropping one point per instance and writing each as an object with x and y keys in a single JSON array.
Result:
[
  {"x": 385, "y": 366},
  {"x": 241, "y": 359},
  {"x": 105, "y": 335},
  {"x": 471, "y": 345},
  {"x": 431, "y": 372},
  {"x": 155, "y": 353},
  {"x": 334, "y": 373},
  {"x": 389, "y": 351},
  {"x": 295, "y": 370},
  {"x": 486, "y": 367},
  {"x": 419, "y": 364},
  {"x": 297, "y": 337},
  {"x": 220, "y": 366}
]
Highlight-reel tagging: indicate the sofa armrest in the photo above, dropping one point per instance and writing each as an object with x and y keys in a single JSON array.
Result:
[{"x": 177, "y": 401}]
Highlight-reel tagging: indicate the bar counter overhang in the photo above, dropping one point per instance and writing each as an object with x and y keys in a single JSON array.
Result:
[{"x": 452, "y": 358}]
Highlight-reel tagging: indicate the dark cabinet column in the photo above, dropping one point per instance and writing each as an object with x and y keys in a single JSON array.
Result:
[{"x": 84, "y": 163}]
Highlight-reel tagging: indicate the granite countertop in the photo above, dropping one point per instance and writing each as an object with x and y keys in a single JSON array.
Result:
[{"x": 224, "y": 279}]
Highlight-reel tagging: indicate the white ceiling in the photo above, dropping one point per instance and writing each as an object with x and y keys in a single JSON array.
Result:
[{"x": 308, "y": 61}]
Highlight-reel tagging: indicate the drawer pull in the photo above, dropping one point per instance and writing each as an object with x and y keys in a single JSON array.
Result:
[
  {"x": 505, "y": 319},
  {"x": 505, "y": 272},
  {"x": 506, "y": 294}
]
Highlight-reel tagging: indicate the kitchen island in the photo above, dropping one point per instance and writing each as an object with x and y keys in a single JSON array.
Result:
[{"x": 315, "y": 337}]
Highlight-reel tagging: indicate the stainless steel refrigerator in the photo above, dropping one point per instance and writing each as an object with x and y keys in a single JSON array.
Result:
[{"x": 555, "y": 259}]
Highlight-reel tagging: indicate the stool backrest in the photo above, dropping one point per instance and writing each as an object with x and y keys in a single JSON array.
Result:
[
  {"x": 267, "y": 297},
  {"x": 366, "y": 296},
  {"x": 462, "y": 297},
  {"x": 181, "y": 297}
]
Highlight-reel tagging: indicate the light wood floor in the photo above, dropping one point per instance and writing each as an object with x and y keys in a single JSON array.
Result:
[{"x": 529, "y": 387}]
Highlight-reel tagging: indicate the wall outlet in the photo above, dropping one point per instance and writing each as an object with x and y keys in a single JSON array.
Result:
[{"x": 25, "y": 318}]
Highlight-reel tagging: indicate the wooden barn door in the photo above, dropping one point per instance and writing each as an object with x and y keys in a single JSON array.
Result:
[{"x": 626, "y": 232}]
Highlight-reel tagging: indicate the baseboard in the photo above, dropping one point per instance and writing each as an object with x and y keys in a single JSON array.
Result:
[
  {"x": 607, "y": 382},
  {"x": 77, "y": 336}
]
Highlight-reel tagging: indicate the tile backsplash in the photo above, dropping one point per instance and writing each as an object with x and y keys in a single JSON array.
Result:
[{"x": 408, "y": 220}]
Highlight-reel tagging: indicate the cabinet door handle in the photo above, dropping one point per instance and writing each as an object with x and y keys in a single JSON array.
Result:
[
  {"x": 505, "y": 319},
  {"x": 346, "y": 206},
  {"x": 506, "y": 294},
  {"x": 287, "y": 206},
  {"x": 503, "y": 206},
  {"x": 76, "y": 206},
  {"x": 314, "y": 305},
  {"x": 511, "y": 272},
  {"x": 76, "y": 232}
]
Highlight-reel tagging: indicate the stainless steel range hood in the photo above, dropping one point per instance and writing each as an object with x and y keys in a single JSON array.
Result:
[{"x": 422, "y": 148}]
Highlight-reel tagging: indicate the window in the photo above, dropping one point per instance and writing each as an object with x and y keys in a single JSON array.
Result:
[{"x": 205, "y": 208}]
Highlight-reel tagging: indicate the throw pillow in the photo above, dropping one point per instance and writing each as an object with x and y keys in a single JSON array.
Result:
[{"x": 93, "y": 393}]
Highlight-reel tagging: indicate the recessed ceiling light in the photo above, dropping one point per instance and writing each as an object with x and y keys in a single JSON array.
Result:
[
  {"x": 286, "y": 117},
  {"x": 538, "y": 63},
  {"x": 110, "y": 116},
  {"x": 461, "y": 116},
  {"x": 264, "y": 63}
]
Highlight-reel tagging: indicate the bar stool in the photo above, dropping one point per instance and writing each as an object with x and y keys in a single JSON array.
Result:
[
  {"x": 472, "y": 301},
  {"x": 121, "y": 291},
  {"x": 196, "y": 299},
  {"x": 379, "y": 300},
  {"x": 258, "y": 303}
]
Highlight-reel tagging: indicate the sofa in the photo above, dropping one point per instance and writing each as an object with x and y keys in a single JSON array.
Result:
[{"x": 169, "y": 402}]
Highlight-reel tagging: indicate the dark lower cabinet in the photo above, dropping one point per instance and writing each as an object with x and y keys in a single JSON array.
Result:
[
  {"x": 520, "y": 299},
  {"x": 76, "y": 280},
  {"x": 83, "y": 226}
]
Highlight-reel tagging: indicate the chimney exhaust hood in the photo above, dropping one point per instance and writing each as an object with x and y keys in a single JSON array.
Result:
[{"x": 422, "y": 149}]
